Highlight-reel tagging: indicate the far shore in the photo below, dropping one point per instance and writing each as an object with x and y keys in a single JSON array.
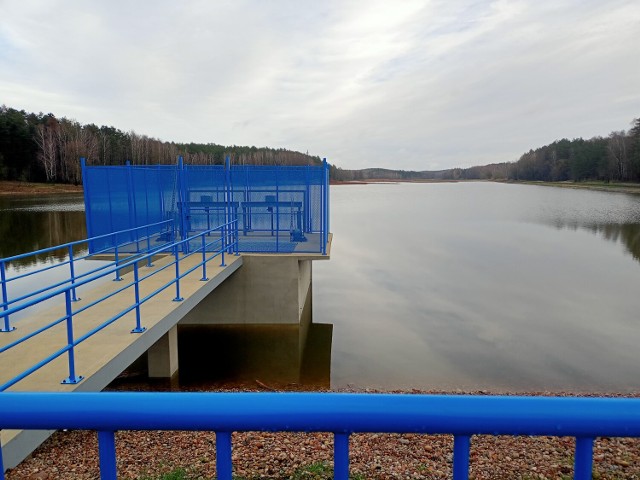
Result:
[
  {"x": 9, "y": 188},
  {"x": 633, "y": 188},
  {"x": 15, "y": 188}
]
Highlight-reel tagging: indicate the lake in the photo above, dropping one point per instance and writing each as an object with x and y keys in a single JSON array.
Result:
[
  {"x": 482, "y": 286},
  {"x": 453, "y": 286}
]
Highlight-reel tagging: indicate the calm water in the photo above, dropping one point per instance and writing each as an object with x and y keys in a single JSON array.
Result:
[
  {"x": 453, "y": 286},
  {"x": 482, "y": 285}
]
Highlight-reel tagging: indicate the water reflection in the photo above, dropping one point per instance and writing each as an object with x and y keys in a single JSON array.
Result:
[
  {"x": 33, "y": 223},
  {"x": 627, "y": 234},
  {"x": 246, "y": 356},
  {"x": 465, "y": 286}
]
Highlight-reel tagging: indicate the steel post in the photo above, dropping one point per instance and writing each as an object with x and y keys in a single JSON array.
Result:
[
  {"x": 73, "y": 274},
  {"x": 341, "y": 456},
  {"x": 461, "y": 446},
  {"x": 72, "y": 379},
  {"x": 177, "y": 262},
  {"x": 583, "y": 458},
  {"x": 107, "y": 452},
  {"x": 224, "y": 466},
  {"x": 136, "y": 288},
  {"x": 204, "y": 261},
  {"x": 5, "y": 300}
]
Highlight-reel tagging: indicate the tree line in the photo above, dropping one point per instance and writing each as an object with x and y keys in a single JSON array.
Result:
[
  {"x": 614, "y": 158},
  {"x": 41, "y": 147}
]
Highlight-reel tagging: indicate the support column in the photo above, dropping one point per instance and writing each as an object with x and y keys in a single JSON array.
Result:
[{"x": 162, "y": 357}]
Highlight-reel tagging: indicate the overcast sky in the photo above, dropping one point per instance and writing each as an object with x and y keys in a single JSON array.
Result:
[{"x": 418, "y": 85}]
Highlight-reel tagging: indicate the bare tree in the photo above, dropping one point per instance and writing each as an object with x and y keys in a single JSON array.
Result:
[
  {"x": 46, "y": 139},
  {"x": 618, "y": 159}
]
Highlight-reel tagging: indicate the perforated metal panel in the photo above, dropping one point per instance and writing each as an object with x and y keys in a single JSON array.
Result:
[{"x": 279, "y": 209}]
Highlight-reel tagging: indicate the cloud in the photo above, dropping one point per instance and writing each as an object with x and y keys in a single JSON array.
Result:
[{"x": 413, "y": 85}]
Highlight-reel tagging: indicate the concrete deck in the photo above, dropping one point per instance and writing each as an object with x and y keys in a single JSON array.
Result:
[{"x": 106, "y": 354}]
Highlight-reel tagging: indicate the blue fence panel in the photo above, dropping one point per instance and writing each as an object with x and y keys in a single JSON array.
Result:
[
  {"x": 120, "y": 198},
  {"x": 279, "y": 209}
]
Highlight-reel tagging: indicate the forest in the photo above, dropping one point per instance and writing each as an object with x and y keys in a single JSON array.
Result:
[
  {"x": 43, "y": 148},
  {"x": 614, "y": 158}
]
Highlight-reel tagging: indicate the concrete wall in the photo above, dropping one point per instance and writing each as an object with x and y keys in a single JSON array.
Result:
[{"x": 267, "y": 290}]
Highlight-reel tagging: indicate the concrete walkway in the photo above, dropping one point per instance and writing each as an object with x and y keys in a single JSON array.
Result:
[{"x": 102, "y": 357}]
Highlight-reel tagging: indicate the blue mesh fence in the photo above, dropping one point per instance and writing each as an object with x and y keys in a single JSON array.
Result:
[{"x": 280, "y": 209}]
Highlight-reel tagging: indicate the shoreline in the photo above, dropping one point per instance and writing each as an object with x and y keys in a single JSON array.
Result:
[
  {"x": 629, "y": 188},
  {"x": 149, "y": 455},
  {"x": 10, "y": 188},
  {"x": 16, "y": 188}
]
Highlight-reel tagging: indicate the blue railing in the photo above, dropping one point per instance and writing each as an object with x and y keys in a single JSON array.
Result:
[
  {"x": 225, "y": 242},
  {"x": 136, "y": 237},
  {"x": 342, "y": 414}
]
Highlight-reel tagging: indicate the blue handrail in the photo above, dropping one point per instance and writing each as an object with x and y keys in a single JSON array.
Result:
[
  {"x": 149, "y": 230},
  {"x": 227, "y": 242},
  {"x": 342, "y": 414}
]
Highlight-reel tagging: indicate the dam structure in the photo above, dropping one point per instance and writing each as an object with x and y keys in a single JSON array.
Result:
[{"x": 175, "y": 256}]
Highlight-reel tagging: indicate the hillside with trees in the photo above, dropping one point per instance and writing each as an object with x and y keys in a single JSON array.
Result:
[
  {"x": 614, "y": 158},
  {"x": 44, "y": 148}
]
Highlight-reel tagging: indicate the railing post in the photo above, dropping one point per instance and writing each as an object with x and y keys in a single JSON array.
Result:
[
  {"x": 177, "y": 261},
  {"x": 118, "y": 277},
  {"x": 236, "y": 235},
  {"x": 222, "y": 247},
  {"x": 72, "y": 379},
  {"x": 1, "y": 465},
  {"x": 107, "y": 451},
  {"x": 324, "y": 236},
  {"x": 204, "y": 261},
  {"x": 224, "y": 466},
  {"x": 461, "y": 445},
  {"x": 136, "y": 288},
  {"x": 5, "y": 300},
  {"x": 149, "y": 264},
  {"x": 583, "y": 458},
  {"x": 341, "y": 456},
  {"x": 73, "y": 274}
]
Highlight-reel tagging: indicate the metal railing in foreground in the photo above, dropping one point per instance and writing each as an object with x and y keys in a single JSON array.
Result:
[
  {"x": 342, "y": 414},
  {"x": 225, "y": 242}
]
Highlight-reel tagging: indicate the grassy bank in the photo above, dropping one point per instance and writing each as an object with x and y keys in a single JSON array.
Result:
[{"x": 29, "y": 188}]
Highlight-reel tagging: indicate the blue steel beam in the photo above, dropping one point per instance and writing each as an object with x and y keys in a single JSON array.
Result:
[{"x": 324, "y": 412}]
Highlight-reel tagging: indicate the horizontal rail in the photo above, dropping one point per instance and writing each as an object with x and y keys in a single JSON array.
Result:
[
  {"x": 78, "y": 242},
  {"x": 341, "y": 414},
  {"x": 226, "y": 230}
]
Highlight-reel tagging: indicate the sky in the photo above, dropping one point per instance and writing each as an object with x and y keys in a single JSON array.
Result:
[{"x": 412, "y": 85}]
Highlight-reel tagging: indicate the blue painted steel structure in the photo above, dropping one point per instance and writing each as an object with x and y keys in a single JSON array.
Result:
[
  {"x": 278, "y": 209},
  {"x": 343, "y": 414},
  {"x": 147, "y": 241}
]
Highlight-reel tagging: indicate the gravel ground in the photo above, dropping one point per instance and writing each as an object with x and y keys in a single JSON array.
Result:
[{"x": 144, "y": 455}]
